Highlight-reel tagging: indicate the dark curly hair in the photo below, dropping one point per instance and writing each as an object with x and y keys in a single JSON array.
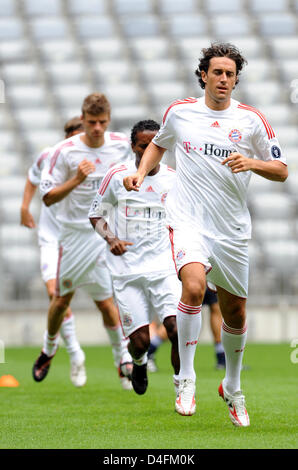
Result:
[
  {"x": 147, "y": 125},
  {"x": 218, "y": 49}
]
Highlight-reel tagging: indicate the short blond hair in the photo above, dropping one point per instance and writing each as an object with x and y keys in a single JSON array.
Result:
[{"x": 95, "y": 104}]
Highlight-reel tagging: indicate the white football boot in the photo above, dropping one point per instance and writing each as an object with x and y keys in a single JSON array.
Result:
[
  {"x": 236, "y": 406},
  {"x": 151, "y": 364},
  {"x": 124, "y": 372},
  {"x": 78, "y": 374},
  {"x": 176, "y": 385},
  {"x": 185, "y": 403}
]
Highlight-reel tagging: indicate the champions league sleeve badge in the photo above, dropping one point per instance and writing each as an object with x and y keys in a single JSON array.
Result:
[{"x": 275, "y": 151}]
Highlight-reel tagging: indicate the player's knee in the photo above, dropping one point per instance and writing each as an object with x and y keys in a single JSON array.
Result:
[
  {"x": 60, "y": 304},
  {"x": 139, "y": 343},
  {"x": 171, "y": 327},
  {"x": 51, "y": 293},
  {"x": 107, "y": 307},
  {"x": 194, "y": 290},
  {"x": 236, "y": 316}
]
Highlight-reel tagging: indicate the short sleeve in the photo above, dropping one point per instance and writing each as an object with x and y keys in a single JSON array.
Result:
[
  {"x": 265, "y": 143},
  {"x": 34, "y": 172},
  {"x": 106, "y": 196},
  {"x": 55, "y": 172},
  {"x": 165, "y": 137}
]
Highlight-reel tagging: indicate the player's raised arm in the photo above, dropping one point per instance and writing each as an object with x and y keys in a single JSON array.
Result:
[
  {"x": 271, "y": 170},
  {"x": 60, "y": 192},
  {"x": 151, "y": 158}
]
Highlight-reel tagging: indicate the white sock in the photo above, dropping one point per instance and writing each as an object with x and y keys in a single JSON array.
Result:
[
  {"x": 50, "y": 343},
  {"x": 188, "y": 326},
  {"x": 119, "y": 345},
  {"x": 233, "y": 341},
  {"x": 219, "y": 347},
  {"x": 68, "y": 334}
]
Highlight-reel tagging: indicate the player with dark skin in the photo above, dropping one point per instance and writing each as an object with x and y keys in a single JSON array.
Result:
[{"x": 140, "y": 339}]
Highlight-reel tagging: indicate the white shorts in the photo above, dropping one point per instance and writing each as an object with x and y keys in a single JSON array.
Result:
[
  {"x": 48, "y": 261},
  {"x": 226, "y": 261},
  {"x": 82, "y": 264},
  {"x": 141, "y": 298}
]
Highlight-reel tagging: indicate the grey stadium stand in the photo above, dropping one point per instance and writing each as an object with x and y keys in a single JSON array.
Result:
[{"x": 142, "y": 54}]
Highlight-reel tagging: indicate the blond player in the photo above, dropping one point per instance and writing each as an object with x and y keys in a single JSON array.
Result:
[
  {"x": 48, "y": 233},
  {"x": 218, "y": 142},
  {"x": 75, "y": 172}
]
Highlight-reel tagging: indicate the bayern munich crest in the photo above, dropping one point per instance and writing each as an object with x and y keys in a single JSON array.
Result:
[
  {"x": 235, "y": 136},
  {"x": 67, "y": 283},
  {"x": 127, "y": 320},
  {"x": 180, "y": 254}
]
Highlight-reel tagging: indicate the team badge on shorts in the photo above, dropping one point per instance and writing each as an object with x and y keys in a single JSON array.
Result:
[
  {"x": 67, "y": 283},
  {"x": 180, "y": 255},
  {"x": 235, "y": 136},
  {"x": 127, "y": 320},
  {"x": 44, "y": 267}
]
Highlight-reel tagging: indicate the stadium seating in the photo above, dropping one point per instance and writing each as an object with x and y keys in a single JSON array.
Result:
[
  {"x": 181, "y": 25},
  {"x": 21, "y": 73},
  {"x": 11, "y": 162},
  {"x": 58, "y": 50},
  {"x": 277, "y": 24},
  {"x": 273, "y": 205},
  {"x": 113, "y": 72},
  {"x": 42, "y": 8},
  {"x": 274, "y": 229},
  {"x": 228, "y": 7},
  {"x": 268, "y": 6},
  {"x": 15, "y": 50},
  {"x": 222, "y": 25},
  {"x": 129, "y": 7},
  {"x": 159, "y": 70},
  {"x": 104, "y": 49},
  {"x": 152, "y": 48},
  {"x": 8, "y": 8},
  {"x": 142, "y": 54},
  {"x": 284, "y": 48},
  {"x": 166, "y": 7},
  {"x": 94, "y": 26},
  {"x": 66, "y": 72},
  {"x": 40, "y": 118},
  {"x": 92, "y": 7},
  {"x": 43, "y": 28}
]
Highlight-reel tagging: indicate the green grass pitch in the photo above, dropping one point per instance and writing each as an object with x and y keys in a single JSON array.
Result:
[{"x": 55, "y": 415}]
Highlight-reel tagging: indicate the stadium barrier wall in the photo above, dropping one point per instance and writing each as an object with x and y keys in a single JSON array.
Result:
[{"x": 27, "y": 327}]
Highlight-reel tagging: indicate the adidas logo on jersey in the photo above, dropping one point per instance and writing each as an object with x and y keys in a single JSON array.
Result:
[
  {"x": 150, "y": 190},
  {"x": 215, "y": 124}
]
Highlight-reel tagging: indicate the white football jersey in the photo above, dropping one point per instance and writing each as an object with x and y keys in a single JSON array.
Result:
[
  {"x": 66, "y": 156},
  {"x": 137, "y": 217},
  {"x": 48, "y": 227},
  {"x": 207, "y": 195}
]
